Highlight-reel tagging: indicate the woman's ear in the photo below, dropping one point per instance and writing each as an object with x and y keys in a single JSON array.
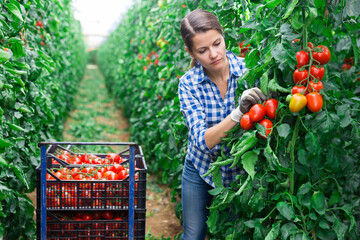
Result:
[{"x": 189, "y": 52}]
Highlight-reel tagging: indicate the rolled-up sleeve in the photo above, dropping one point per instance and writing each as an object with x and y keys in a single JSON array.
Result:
[{"x": 195, "y": 115}]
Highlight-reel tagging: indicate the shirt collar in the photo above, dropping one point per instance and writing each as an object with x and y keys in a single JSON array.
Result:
[{"x": 200, "y": 73}]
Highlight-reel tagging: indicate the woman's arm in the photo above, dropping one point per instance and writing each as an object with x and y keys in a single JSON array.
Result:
[{"x": 214, "y": 134}]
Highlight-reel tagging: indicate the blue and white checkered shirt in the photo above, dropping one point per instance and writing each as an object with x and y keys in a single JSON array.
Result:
[{"x": 203, "y": 107}]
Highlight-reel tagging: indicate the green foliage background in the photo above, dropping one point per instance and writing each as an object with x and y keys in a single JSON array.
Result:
[{"x": 40, "y": 66}]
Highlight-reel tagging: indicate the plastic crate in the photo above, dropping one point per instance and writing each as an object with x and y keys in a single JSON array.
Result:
[
  {"x": 73, "y": 195},
  {"x": 95, "y": 229}
]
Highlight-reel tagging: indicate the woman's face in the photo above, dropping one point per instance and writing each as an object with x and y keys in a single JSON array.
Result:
[{"x": 210, "y": 50}]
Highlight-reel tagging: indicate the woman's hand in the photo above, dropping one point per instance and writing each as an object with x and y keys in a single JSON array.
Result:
[{"x": 248, "y": 98}]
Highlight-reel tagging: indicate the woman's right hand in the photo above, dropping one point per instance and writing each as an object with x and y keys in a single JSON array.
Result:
[{"x": 248, "y": 98}]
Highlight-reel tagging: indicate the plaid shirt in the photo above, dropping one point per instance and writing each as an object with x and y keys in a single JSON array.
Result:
[{"x": 203, "y": 107}]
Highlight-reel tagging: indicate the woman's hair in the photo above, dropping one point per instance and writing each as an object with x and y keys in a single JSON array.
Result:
[{"x": 198, "y": 21}]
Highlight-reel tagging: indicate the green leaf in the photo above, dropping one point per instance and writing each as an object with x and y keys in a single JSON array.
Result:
[
  {"x": 352, "y": 8},
  {"x": 339, "y": 228},
  {"x": 20, "y": 174},
  {"x": 273, "y": 159},
  {"x": 272, "y": 3},
  {"x": 3, "y": 162},
  {"x": 290, "y": 8},
  {"x": 279, "y": 53},
  {"x": 318, "y": 202},
  {"x": 286, "y": 210},
  {"x": 312, "y": 143},
  {"x": 264, "y": 80},
  {"x": 249, "y": 160},
  {"x": 312, "y": 14},
  {"x": 287, "y": 33},
  {"x": 324, "y": 224},
  {"x": 274, "y": 232},
  {"x": 304, "y": 189},
  {"x": 17, "y": 47},
  {"x": 283, "y": 130},
  {"x": 287, "y": 230},
  {"x": 303, "y": 157},
  {"x": 4, "y": 143},
  {"x": 217, "y": 179},
  {"x": 15, "y": 11},
  {"x": 4, "y": 56},
  {"x": 335, "y": 197}
]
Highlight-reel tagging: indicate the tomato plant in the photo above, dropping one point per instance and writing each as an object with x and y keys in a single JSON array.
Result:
[{"x": 295, "y": 182}]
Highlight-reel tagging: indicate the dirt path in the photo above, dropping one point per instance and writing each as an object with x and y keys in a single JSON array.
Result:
[{"x": 95, "y": 118}]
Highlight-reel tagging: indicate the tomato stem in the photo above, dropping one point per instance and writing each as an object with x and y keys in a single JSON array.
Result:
[{"x": 292, "y": 154}]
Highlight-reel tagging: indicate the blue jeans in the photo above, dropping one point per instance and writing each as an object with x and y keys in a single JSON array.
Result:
[{"x": 195, "y": 202}]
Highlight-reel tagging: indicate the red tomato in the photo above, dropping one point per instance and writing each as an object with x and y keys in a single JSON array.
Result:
[
  {"x": 114, "y": 158},
  {"x": 117, "y": 168},
  {"x": 321, "y": 55},
  {"x": 300, "y": 76},
  {"x": 98, "y": 175},
  {"x": 84, "y": 158},
  {"x": 268, "y": 127},
  {"x": 97, "y": 215},
  {"x": 271, "y": 106},
  {"x": 39, "y": 24},
  {"x": 257, "y": 112},
  {"x": 122, "y": 175},
  {"x": 315, "y": 87},
  {"x": 79, "y": 177},
  {"x": 310, "y": 45},
  {"x": 302, "y": 58},
  {"x": 74, "y": 172},
  {"x": 242, "y": 48},
  {"x": 110, "y": 175},
  {"x": 317, "y": 73},
  {"x": 346, "y": 66},
  {"x": 314, "y": 101},
  {"x": 299, "y": 89},
  {"x": 350, "y": 60},
  {"x": 87, "y": 217},
  {"x": 246, "y": 122},
  {"x": 108, "y": 215}
]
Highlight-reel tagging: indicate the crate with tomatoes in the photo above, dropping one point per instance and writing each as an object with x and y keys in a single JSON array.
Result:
[{"x": 89, "y": 194}]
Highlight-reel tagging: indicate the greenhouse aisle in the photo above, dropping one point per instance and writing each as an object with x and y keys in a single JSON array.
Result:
[{"x": 96, "y": 119}]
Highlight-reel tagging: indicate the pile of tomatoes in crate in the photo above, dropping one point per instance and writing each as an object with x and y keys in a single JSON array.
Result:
[
  {"x": 88, "y": 185},
  {"x": 307, "y": 78}
]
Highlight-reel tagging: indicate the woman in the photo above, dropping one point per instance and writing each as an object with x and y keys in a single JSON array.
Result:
[{"x": 207, "y": 98}]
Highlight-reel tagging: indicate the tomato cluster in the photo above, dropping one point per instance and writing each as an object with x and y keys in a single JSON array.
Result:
[
  {"x": 307, "y": 78},
  {"x": 257, "y": 114},
  {"x": 111, "y": 158},
  {"x": 94, "y": 224},
  {"x": 243, "y": 50},
  {"x": 348, "y": 63}
]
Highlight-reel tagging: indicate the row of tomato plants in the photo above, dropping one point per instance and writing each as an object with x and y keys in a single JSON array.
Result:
[
  {"x": 42, "y": 58},
  {"x": 303, "y": 178}
]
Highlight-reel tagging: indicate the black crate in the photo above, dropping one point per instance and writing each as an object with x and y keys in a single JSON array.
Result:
[
  {"x": 58, "y": 228},
  {"x": 71, "y": 196}
]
